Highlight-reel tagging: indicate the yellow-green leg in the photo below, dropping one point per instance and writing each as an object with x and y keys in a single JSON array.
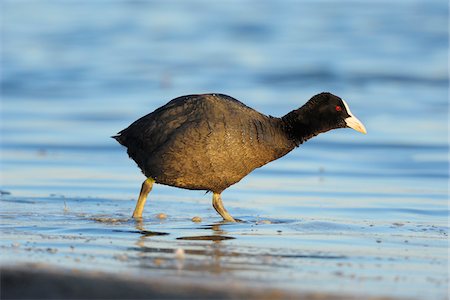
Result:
[
  {"x": 218, "y": 206},
  {"x": 145, "y": 189}
]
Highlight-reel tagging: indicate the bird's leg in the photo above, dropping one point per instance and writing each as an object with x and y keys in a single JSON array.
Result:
[
  {"x": 145, "y": 189},
  {"x": 218, "y": 206}
]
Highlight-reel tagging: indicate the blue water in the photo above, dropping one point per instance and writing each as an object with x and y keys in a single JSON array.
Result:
[{"x": 344, "y": 213}]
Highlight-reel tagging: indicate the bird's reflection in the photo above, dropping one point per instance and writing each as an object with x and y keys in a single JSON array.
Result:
[
  {"x": 185, "y": 253},
  {"x": 139, "y": 224}
]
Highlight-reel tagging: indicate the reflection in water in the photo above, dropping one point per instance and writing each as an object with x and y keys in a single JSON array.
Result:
[
  {"x": 188, "y": 256},
  {"x": 138, "y": 225},
  {"x": 143, "y": 232},
  {"x": 214, "y": 238},
  {"x": 218, "y": 234}
]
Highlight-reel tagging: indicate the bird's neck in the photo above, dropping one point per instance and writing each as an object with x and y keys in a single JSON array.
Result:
[{"x": 301, "y": 125}]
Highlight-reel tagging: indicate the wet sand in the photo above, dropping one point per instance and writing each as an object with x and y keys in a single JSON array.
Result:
[{"x": 44, "y": 282}]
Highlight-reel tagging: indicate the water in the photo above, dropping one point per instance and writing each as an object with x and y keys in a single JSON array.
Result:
[{"x": 344, "y": 213}]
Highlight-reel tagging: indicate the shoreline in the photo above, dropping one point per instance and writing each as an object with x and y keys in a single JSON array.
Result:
[{"x": 30, "y": 281}]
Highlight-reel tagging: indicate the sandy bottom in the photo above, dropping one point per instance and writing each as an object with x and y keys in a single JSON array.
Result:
[{"x": 43, "y": 282}]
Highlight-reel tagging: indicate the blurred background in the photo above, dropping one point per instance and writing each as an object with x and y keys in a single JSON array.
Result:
[
  {"x": 74, "y": 73},
  {"x": 77, "y": 72}
]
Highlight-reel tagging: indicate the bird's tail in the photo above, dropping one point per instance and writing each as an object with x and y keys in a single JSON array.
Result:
[{"x": 119, "y": 138}]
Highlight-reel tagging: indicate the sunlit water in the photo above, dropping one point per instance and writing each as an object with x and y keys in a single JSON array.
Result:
[{"x": 344, "y": 213}]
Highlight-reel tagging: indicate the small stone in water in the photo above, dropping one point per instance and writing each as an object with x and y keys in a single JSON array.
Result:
[
  {"x": 264, "y": 222},
  {"x": 161, "y": 216},
  {"x": 158, "y": 261},
  {"x": 121, "y": 257},
  {"x": 196, "y": 219},
  {"x": 179, "y": 253}
]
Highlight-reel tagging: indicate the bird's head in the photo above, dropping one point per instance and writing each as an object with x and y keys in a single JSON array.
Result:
[
  {"x": 331, "y": 112},
  {"x": 321, "y": 113}
]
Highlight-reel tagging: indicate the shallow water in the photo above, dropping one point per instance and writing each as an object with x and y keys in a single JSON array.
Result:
[{"x": 344, "y": 213}]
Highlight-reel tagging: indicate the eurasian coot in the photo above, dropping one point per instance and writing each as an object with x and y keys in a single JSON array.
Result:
[{"x": 211, "y": 141}]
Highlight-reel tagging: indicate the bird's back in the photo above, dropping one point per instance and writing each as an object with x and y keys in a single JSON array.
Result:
[{"x": 206, "y": 142}]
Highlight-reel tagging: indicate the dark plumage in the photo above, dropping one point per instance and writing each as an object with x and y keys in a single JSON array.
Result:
[{"x": 211, "y": 141}]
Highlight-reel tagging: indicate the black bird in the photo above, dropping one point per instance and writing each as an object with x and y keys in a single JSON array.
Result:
[{"x": 211, "y": 141}]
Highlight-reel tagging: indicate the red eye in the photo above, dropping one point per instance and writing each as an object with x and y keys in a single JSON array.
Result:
[{"x": 338, "y": 108}]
